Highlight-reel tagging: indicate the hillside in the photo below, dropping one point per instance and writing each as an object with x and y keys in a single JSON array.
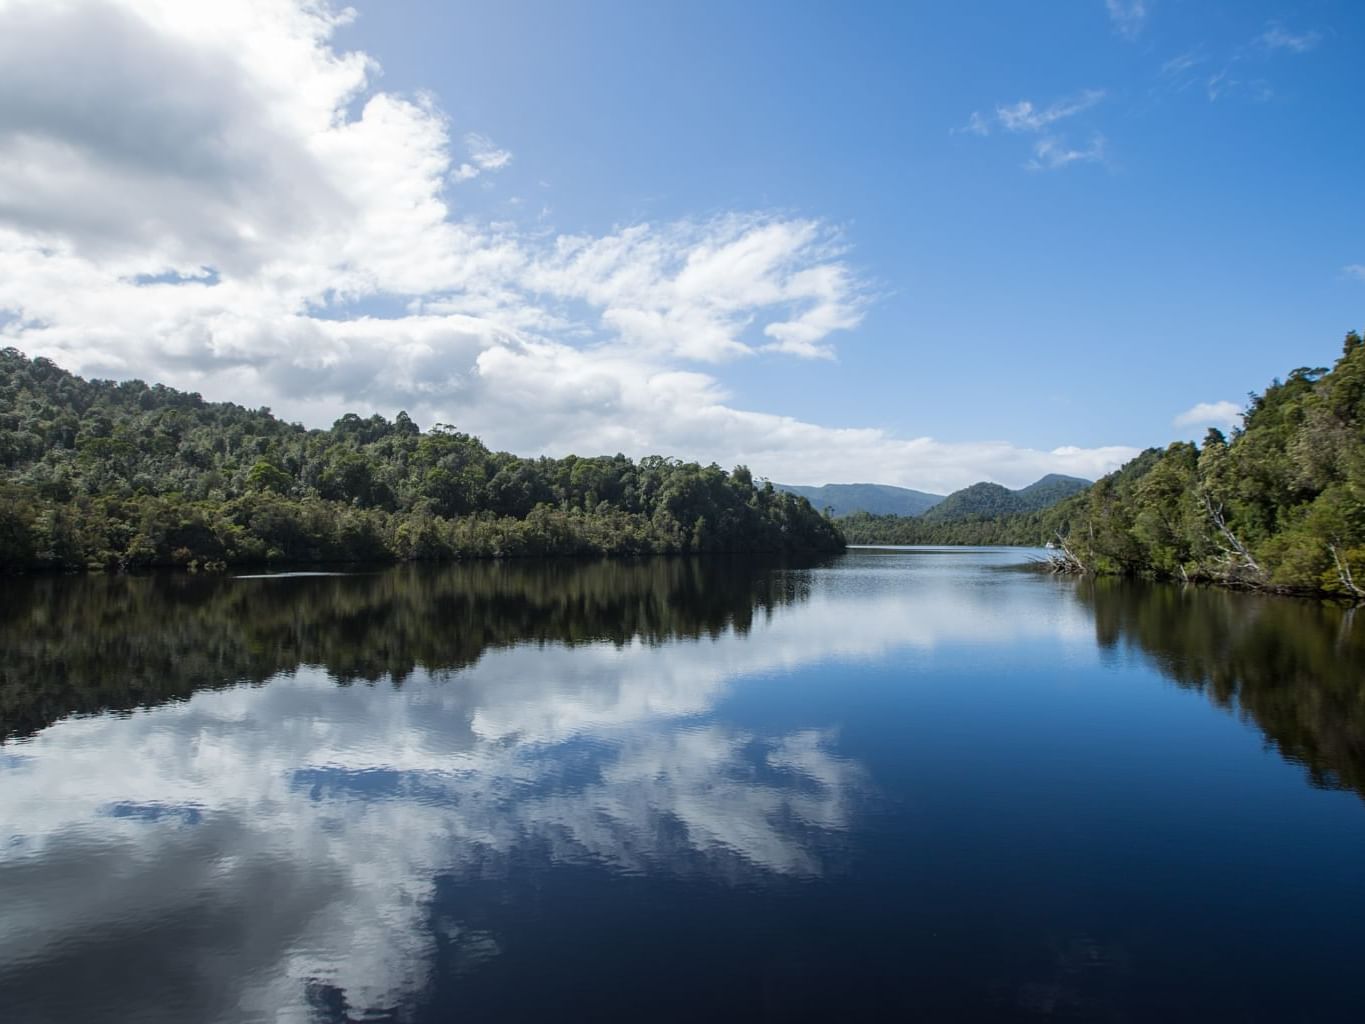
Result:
[
  {"x": 984, "y": 513},
  {"x": 1280, "y": 506},
  {"x": 877, "y": 499},
  {"x": 981, "y": 500},
  {"x": 1049, "y": 490},
  {"x": 99, "y": 474},
  {"x": 988, "y": 500}
]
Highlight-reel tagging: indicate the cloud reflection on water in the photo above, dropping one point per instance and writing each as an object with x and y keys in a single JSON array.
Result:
[{"x": 263, "y": 844}]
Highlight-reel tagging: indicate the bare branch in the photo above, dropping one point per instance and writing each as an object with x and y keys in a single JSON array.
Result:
[
  {"x": 1344, "y": 574},
  {"x": 1234, "y": 551},
  {"x": 1066, "y": 562}
]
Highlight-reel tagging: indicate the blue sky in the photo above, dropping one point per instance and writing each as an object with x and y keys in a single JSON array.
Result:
[{"x": 1053, "y": 226}]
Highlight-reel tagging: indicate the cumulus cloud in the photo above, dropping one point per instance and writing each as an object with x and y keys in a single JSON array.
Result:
[
  {"x": 1356, "y": 270},
  {"x": 221, "y": 200},
  {"x": 1210, "y": 414}
]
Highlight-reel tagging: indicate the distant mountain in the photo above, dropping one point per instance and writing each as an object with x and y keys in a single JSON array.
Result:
[
  {"x": 878, "y": 499},
  {"x": 986, "y": 500}
]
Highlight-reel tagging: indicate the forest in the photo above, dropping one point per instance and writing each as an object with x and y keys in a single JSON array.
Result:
[
  {"x": 1027, "y": 529},
  {"x": 1277, "y": 506},
  {"x": 104, "y": 475}
]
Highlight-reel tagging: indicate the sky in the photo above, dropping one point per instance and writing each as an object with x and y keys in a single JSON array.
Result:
[{"x": 921, "y": 244}]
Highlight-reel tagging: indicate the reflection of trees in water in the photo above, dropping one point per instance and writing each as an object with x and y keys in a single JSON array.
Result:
[
  {"x": 1294, "y": 668},
  {"x": 358, "y": 839},
  {"x": 72, "y": 645}
]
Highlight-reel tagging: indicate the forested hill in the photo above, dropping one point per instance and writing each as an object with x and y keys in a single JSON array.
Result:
[
  {"x": 987, "y": 499},
  {"x": 983, "y": 500},
  {"x": 1279, "y": 506},
  {"x": 122, "y": 475},
  {"x": 983, "y": 513},
  {"x": 878, "y": 499}
]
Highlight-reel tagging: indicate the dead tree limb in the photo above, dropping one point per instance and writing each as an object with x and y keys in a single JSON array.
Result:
[
  {"x": 1344, "y": 574},
  {"x": 1067, "y": 562},
  {"x": 1233, "y": 549}
]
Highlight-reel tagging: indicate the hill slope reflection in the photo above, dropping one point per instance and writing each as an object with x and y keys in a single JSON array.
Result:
[{"x": 75, "y": 645}]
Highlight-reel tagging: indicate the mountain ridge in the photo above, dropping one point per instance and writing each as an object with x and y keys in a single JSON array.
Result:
[
  {"x": 990, "y": 499},
  {"x": 983, "y": 498},
  {"x": 878, "y": 499}
]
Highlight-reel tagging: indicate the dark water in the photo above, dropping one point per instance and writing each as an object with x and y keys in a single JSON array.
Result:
[{"x": 897, "y": 785}]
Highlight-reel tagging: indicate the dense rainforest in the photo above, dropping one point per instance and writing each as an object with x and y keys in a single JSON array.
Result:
[
  {"x": 1280, "y": 505},
  {"x": 123, "y": 475}
]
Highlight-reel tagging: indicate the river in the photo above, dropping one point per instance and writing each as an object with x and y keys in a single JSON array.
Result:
[{"x": 902, "y": 784}]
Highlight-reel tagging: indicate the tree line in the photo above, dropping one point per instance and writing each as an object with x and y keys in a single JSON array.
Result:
[
  {"x": 123, "y": 475},
  {"x": 1025, "y": 529}
]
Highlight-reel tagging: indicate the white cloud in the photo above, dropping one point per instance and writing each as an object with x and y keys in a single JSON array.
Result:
[
  {"x": 1210, "y": 414},
  {"x": 1051, "y": 154},
  {"x": 329, "y": 884},
  {"x": 1028, "y": 118},
  {"x": 220, "y": 200},
  {"x": 1025, "y": 116},
  {"x": 1277, "y": 37},
  {"x": 1356, "y": 270},
  {"x": 1127, "y": 16},
  {"x": 485, "y": 156}
]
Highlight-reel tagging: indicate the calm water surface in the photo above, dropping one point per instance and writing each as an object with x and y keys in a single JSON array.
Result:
[{"x": 901, "y": 784}]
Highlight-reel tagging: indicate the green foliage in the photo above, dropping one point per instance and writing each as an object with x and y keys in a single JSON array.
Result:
[
  {"x": 1027, "y": 530},
  {"x": 1280, "y": 506},
  {"x": 98, "y": 474}
]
